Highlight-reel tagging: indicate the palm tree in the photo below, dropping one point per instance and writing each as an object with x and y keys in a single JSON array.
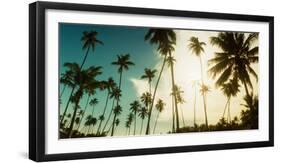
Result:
[
  {"x": 117, "y": 122},
  {"x": 238, "y": 53},
  {"x": 165, "y": 39},
  {"x": 115, "y": 94},
  {"x": 65, "y": 80},
  {"x": 160, "y": 107},
  {"x": 229, "y": 89},
  {"x": 146, "y": 99},
  {"x": 249, "y": 117},
  {"x": 142, "y": 115},
  {"x": 88, "y": 123},
  {"x": 197, "y": 48},
  {"x": 85, "y": 80},
  {"x": 134, "y": 107},
  {"x": 194, "y": 85},
  {"x": 93, "y": 103},
  {"x": 93, "y": 123},
  {"x": 178, "y": 94},
  {"x": 149, "y": 75},
  {"x": 123, "y": 62},
  {"x": 117, "y": 111},
  {"x": 109, "y": 84},
  {"x": 89, "y": 40},
  {"x": 129, "y": 122}
]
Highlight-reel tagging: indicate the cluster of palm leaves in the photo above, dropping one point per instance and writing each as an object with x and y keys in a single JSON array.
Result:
[{"x": 231, "y": 67}]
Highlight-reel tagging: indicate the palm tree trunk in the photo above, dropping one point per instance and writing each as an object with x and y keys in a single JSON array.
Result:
[
  {"x": 141, "y": 126},
  {"x": 229, "y": 117},
  {"x": 153, "y": 98},
  {"x": 84, "y": 60},
  {"x": 135, "y": 123},
  {"x": 73, "y": 119},
  {"x": 174, "y": 94},
  {"x": 182, "y": 117},
  {"x": 194, "y": 112},
  {"x": 87, "y": 102},
  {"x": 225, "y": 107},
  {"x": 109, "y": 116},
  {"x": 204, "y": 98},
  {"x": 113, "y": 123},
  {"x": 67, "y": 104},
  {"x": 173, "y": 114},
  {"x": 103, "y": 113},
  {"x": 156, "y": 122},
  {"x": 246, "y": 89}
]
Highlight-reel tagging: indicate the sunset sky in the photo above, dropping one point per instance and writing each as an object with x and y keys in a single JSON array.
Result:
[{"x": 122, "y": 40}]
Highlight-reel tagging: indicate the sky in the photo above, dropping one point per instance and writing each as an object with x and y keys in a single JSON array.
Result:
[{"x": 130, "y": 40}]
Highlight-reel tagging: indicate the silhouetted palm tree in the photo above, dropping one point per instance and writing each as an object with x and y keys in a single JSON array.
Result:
[
  {"x": 85, "y": 79},
  {"x": 194, "y": 85},
  {"x": 234, "y": 62},
  {"x": 197, "y": 48},
  {"x": 117, "y": 122},
  {"x": 142, "y": 115},
  {"x": 134, "y": 107},
  {"x": 160, "y": 107},
  {"x": 89, "y": 40},
  {"x": 149, "y": 75},
  {"x": 110, "y": 84},
  {"x": 129, "y": 122},
  {"x": 115, "y": 94},
  {"x": 117, "y": 111},
  {"x": 180, "y": 99},
  {"x": 165, "y": 39},
  {"x": 229, "y": 89},
  {"x": 249, "y": 117}
]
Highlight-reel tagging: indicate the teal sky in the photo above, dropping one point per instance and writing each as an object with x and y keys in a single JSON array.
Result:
[{"x": 122, "y": 40}]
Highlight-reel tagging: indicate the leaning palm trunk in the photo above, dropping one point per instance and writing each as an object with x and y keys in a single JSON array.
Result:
[
  {"x": 153, "y": 98},
  {"x": 83, "y": 114},
  {"x": 109, "y": 116},
  {"x": 135, "y": 123},
  {"x": 141, "y": 126},
  {"x": 63, "y": 89},
  {"x": 194, "y": 112},
  {"x": 173, "y": 114},
  {"x": 174, "y": 94},
  {"x": 156, "y": 122},
  {"x": 73, "y": 88},
  {"x": 67, "y": 104},
  {"x": 103, "y": 113},
  {"x": 73, "y": 119},
  {"x": 113, "y": 123},
  {"x": 204, "y": 95}
]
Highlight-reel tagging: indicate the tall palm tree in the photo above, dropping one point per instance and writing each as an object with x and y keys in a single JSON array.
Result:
[
  {"x": 85, "y": 79},
  {"x": 123, "y": 62},
  {"x": 134, "y": 107},
  {"x": 239, "y": 52},
  {"x": 142, "y": 115},
  {"x": 159, "y": 107},
  {"x": 194, "y": 85},
  {"x": 89, "y": 40},
  {"x": 165, "y": 39},
  {"x": 110, "y": 84},
  {"x": 117, "y": 122},
  {"x": 115, "y": 94},
  {"x": 178, "y": 94},
  {"x": 129, "y": 122},
  {"x": 117, "y": 111},
  {"x": 149, "y": 75},
  {"x": 197, "y": 48},
  {"x": 229, "y": 89},
  {"x": 65, "y": 79},
  {"x": 171, "y": 61},
  {"x": 88, "y": 123}
]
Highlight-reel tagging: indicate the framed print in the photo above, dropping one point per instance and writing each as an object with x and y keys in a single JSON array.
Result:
[{"x": 118, "y": 81}]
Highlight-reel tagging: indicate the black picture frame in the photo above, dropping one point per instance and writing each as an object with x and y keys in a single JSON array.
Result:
[{"x": 37, "y": 80}]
